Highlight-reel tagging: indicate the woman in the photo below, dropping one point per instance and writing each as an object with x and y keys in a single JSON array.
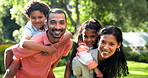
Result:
[{"x": 110, "y": 56}]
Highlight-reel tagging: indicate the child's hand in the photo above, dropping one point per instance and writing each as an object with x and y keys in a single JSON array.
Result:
[
  {"x": 98, "y": 73},
  {"x": 82, "y": 47},
  {"x": 44, "y": 53},
  {"x": 50, "y": 50}
]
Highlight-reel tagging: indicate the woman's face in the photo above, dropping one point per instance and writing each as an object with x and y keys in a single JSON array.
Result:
[
  {"x": 107, "y": 45},
  {"x": 37, "y": 18},
  {"x": 90, "y": 37}
]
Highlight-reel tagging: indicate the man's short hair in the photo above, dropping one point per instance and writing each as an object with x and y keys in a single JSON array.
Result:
[{"x": 55, "y": 11}]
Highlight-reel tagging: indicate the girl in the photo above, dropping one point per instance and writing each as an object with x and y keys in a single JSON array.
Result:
[{"x": 87, "y": 34}]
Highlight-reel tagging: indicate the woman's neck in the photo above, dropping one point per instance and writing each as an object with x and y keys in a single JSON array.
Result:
[{"x": 100, "y": 58}]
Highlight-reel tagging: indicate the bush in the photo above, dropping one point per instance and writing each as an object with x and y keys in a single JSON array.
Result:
[
  {"x": 143, "y": 57},
  {"x": 133, "y": 56},
  {"x": 2, "y": 49}
]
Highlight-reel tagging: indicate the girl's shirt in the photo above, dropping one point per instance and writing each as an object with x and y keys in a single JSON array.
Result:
[
  {"x": 80, "y": 70},
  {"x": 85, "y": 57}
]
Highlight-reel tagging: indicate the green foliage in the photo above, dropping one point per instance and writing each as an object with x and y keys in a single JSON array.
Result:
[
  {"x": 2, "y": 49},
  {"x": 62, "y": 62},
  {"x": 17, "y": 34},
  {"x": 129, "y": 15},
  {"x": 133, "y": 56},
  {"x": 9, "y": 25},
  {"x": 1, "y": 36},
  {"x": 143, "y": 57},
  {"x": 4, "y": 13}
]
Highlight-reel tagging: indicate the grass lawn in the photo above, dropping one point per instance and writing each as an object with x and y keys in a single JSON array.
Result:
[{"x": 136, "y": 70}]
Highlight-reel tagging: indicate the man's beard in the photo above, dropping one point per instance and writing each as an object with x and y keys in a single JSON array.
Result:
[{"x": 54, "y": 35}]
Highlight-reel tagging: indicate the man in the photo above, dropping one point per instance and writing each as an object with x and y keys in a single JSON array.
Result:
[{"x": 33, "y": 63}]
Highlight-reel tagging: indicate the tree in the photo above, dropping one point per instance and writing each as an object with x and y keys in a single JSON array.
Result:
[
  {"x": 129, "y": 15},
  {"x": 7, "y": 25}
]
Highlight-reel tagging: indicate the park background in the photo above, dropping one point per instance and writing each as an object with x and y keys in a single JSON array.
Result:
[{"x": 128, "y": 15}]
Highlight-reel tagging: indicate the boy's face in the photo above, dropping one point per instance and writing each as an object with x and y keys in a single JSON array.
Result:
[
  {"x": 37, "y": 18},
  {"x": 57, "y": 25}
]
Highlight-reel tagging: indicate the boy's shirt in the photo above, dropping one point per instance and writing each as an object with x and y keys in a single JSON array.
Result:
[{"x": 30, "y": 30}]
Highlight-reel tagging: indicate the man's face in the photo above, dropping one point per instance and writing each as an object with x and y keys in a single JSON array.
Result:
[{"x": 57, "y": 25}]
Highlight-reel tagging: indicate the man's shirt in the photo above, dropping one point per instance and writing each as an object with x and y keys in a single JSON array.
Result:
[{"x": 35, "y": 65}]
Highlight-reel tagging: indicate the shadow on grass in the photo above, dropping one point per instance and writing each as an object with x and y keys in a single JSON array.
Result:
[
  {"x": 136, "y": 76},
  {"x": 137, "y": 70},
  {"x": 59, "y": 72}
]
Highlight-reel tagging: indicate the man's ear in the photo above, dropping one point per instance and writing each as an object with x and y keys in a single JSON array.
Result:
[
  {"x": 98, "y": 43},
  {"x": 28, "y": 18},
  {"x": 46, "y": 24},
  {"x": 66, "y": 23}
]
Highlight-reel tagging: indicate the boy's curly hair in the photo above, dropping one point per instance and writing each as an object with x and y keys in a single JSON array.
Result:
[{"x": 36, "y": 5}]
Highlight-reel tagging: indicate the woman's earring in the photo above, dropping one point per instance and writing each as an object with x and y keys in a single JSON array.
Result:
[
  {"x": 97, "y": 44},
  {"x": 118, "y": 49}
]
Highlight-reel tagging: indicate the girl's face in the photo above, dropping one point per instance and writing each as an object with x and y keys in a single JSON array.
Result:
[
  {"x": 89, "y": 37},
  {"x": 37, "y": 18},
  {"x": 107, "y": 45}
]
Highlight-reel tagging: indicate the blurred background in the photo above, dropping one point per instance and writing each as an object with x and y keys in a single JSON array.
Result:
[{"x": 131, "y": 16}]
